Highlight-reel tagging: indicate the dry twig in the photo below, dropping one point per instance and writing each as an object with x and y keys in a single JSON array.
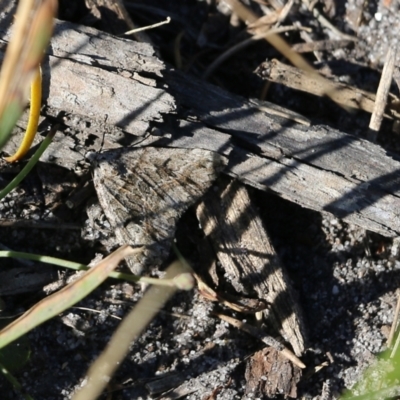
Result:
[{"x": 383, "y": 91}]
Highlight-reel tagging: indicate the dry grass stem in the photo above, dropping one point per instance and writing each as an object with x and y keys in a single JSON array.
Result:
[
  {"x": 283, "y": 47},
  {"x": 129, "y": 330},
  {"x": 383, "y": 91},
  {"x": 395, "y": 321},
  {"x": 245, "y": 43}
]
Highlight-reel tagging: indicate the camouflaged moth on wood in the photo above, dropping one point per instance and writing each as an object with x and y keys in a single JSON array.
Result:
[{"x": 144, "y": 191}]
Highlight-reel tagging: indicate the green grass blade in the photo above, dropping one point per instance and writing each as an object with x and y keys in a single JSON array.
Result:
[
  {"x": 183, "y": 281},
  {"x": 129, "y": 330},
  {"x": 28, "y": 167},
  {"x": 65, "y": 298}
]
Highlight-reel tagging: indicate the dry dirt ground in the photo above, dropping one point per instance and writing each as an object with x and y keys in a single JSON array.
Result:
[{"x": 345, "y": 278}]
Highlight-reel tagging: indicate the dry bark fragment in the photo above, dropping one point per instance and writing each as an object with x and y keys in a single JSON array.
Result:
[
  {"x": 268, "y": 373},
  {"x": 295, "y": 78},
  {"x": 246, "y": 254}
]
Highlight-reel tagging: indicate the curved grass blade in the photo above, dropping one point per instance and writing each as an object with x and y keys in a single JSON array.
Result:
[
  {"x": 65, "y": 298},
  {"x": 32, "y": 32},
  {"x": 33, "y": 122},
  {"x": 183, "y": 281},
  {"x": 32, "y": 162}
]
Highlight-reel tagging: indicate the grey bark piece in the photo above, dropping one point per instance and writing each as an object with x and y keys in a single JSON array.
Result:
[
  {"x": 103, "y": 95},
  {"x": 93, "y": 47},
  {"x": 248, "y": 258},
  {"x": 143, "y": 192},
  {"x": 116, "y": 90},
  {"x": 359, "y": 203}
]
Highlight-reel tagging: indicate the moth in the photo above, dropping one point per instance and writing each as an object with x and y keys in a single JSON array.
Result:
[{"x": 144, "y": 191}]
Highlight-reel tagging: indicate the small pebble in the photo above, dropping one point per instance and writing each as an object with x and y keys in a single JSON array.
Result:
[{"x": 335, "y": 290}]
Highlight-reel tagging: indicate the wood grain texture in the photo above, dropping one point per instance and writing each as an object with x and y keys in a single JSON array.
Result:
[
  {"x": 282, "y": 375},
  {"x": 116, "y": 92},
  {"x": 248, "y": 258}
]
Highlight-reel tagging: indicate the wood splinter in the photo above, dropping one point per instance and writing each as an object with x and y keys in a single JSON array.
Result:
[
  {"x": 250, "y": 263},
  {"x": 268, "y": 340}
]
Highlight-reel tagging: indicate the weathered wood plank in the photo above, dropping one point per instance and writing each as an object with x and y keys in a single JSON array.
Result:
[
  {"x": 116, "y": 92},
  {"x": 97, "y": 93},
  {"x": 358, "y": 203}
]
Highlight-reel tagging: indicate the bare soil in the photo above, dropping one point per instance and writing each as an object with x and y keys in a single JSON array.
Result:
[{"x": 345, "y": 278}]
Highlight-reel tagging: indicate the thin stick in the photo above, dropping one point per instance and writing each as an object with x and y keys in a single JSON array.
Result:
[
  {"x": 324, "y": 22},
  {"x": 281, "y": 45},
  {"x": 383, "y": 91},
  {"x": 348, "y": 96},
  {"x": 395, "y": 347},
  {"x": 145, "y": 28},
  {"x": 245, "y": 43},
  {"x": 268, "y": 340}
]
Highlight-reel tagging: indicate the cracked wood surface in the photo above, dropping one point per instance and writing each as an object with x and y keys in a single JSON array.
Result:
[
  {"x": 111, "y": 92},
  {"x": 248, "y": 258}
]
